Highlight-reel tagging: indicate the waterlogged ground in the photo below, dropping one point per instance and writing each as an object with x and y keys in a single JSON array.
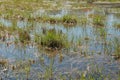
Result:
[{"x": 90, "y": 55}]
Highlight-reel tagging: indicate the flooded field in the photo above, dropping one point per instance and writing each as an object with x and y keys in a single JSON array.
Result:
[{"x": 61, "y": 44}]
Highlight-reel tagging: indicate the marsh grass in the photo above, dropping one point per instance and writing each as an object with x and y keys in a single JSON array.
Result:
[
  {"x": 102, "y": 32},
  {"x": 23, "y": 67},
  {"x": 2, "y": 27},
  {"x": 117, "y": 25},
  {"x": 69, "y": 20},
  {"x": 98, "y": 20},
  {"x": 94, "y": 73},
  {"x": 90, "y": 1},
  {"x": 49, "y": 19},
  {"x": 3, "y": 32},
  {"x": 116, "y": 43},
  {"x": 54, "y": 20},
  {"x": 83, "y": 20},
  {"x": 24, "y": 36},
  {"x": 3, "y": 62},
  {"x": 52, "y": 40}
]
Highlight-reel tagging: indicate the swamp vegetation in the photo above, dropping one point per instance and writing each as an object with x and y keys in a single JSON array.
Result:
[{"x": 59, "y": 40}]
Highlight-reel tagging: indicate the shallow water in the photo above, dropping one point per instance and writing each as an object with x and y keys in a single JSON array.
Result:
[{"x": 96, "y": 50}]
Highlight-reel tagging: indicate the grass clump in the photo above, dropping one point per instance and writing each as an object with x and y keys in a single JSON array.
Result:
[
  {"x": 52, "y": 20},
  {"x": 83, "y": 20},
  {"x": 116, "y": 43},
  {"x": 90, "y": 1},
  {"x": 69, "y": 20},
  {"x": 2, "y": 27},
  {"x": 24, "y": 36},
  {"x": 52, "y": 40},
  {"x": 98, "y": 20},
  {"x": 3, "y": 62},
  {"x": 117, "y": 25}
]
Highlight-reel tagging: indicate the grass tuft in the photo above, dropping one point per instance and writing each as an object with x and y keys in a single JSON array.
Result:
[
  {"x": 52, "y": 40},
  {"x": 98, "y": 20}
]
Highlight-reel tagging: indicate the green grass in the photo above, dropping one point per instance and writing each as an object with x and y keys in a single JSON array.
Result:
[
  {"x": 98, "y": 20},
  {"x": 52, "y": 40},
  {"x": 83, "y": 20},
  {"x": 116, "y": 43},
  {"x": 24, "y": 36},
  {"x": 69, "y": 20}
]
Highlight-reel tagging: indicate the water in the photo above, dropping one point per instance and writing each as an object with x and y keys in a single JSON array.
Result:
[{"x": 91, "y": 52}]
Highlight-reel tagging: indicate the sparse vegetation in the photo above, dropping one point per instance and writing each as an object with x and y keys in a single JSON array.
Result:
[
  {"x": 116, "y": 53},
  {"x": 24, "y": 36},
  {"x": 59, "y": 40}
]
